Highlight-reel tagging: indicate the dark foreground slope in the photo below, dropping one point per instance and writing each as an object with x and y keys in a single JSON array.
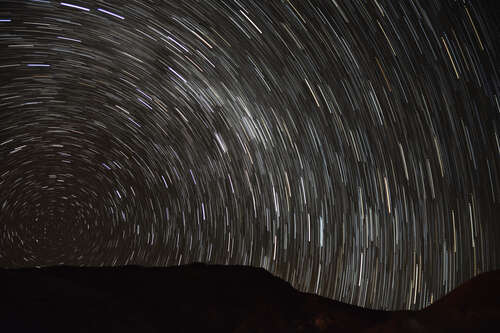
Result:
[{"x": 201, "y": 298}]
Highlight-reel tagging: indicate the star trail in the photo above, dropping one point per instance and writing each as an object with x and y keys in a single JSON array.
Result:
[{"x": 350, "y": 147}]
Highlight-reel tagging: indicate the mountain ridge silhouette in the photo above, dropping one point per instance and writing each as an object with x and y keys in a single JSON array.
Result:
[{"x": 217, "y": 298}]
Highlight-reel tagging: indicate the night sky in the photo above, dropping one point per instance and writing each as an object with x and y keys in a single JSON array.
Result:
[{"x": 350, "y": 147}]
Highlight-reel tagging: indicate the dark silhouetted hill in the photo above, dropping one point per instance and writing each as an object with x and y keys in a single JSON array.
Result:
[{"x": 203, "y": 298}]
